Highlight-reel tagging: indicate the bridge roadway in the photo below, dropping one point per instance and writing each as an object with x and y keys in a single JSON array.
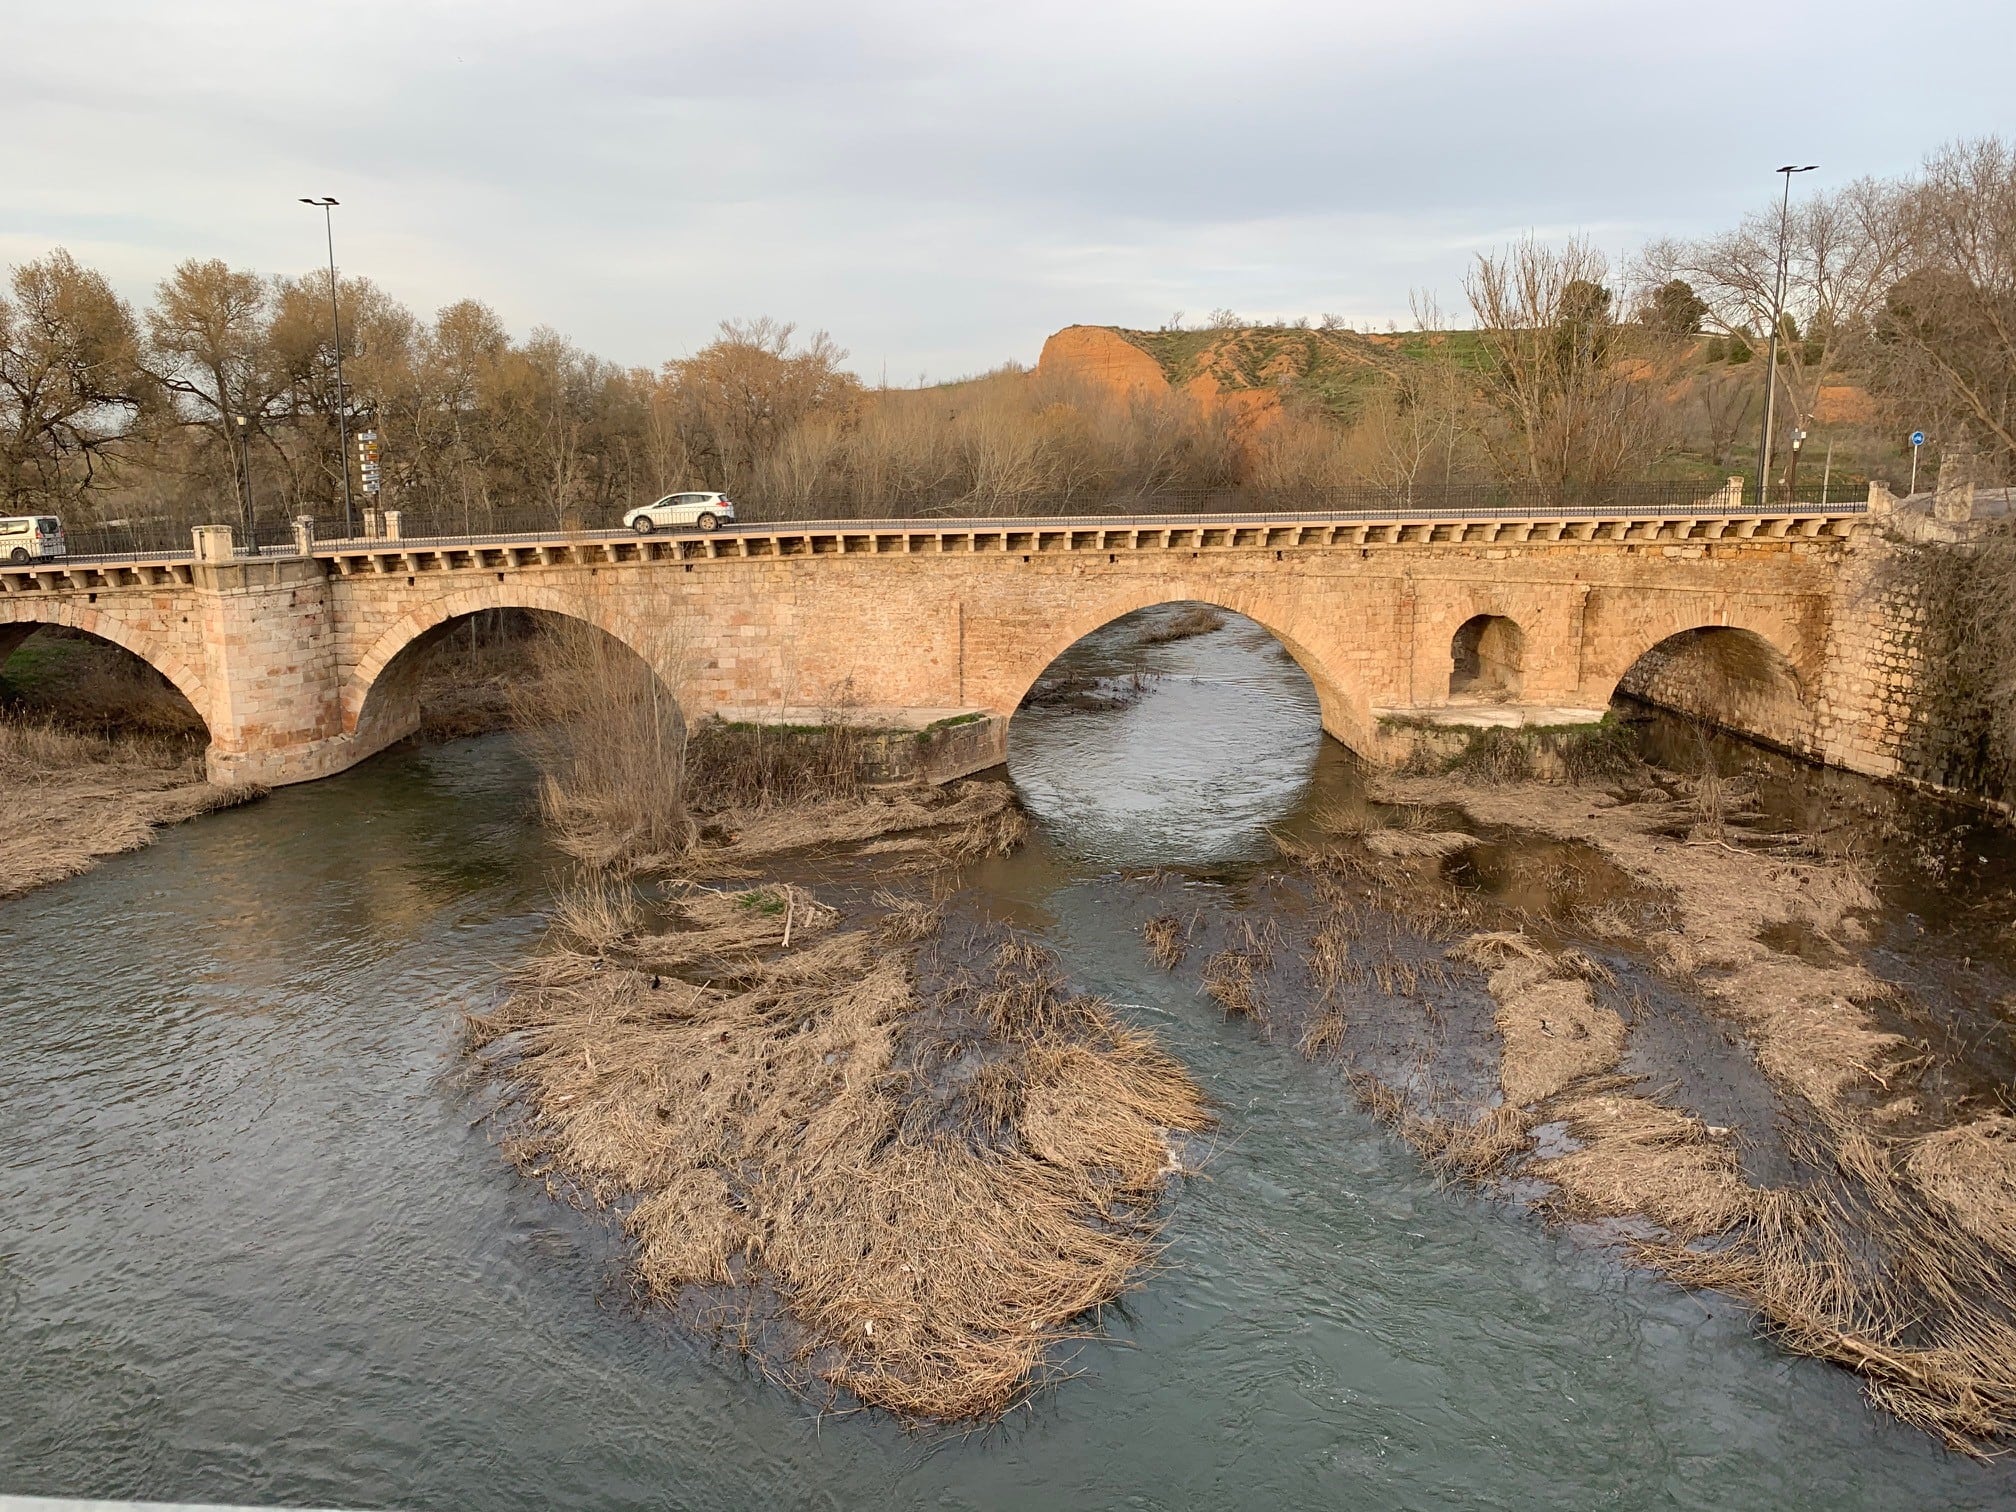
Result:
[
  {"x": 1076, "y": 532},
  {"x": 305, "y": 661}
]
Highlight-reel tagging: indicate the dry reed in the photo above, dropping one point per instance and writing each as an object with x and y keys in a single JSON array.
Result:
[
  {"x": 610, "y": 745},
  {"x": 77, "y": 798},
  {"x": 1233, "y": 976},
  {"x": 935, "y": 1194},
  {"x": 1167, "y": 941}
]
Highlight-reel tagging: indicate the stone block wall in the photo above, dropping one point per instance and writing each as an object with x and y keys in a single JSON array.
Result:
[
  {"x": 269, "y": 646},
  {"x": 301, "y": 669},
  {"x": 1900, "y": 700}
]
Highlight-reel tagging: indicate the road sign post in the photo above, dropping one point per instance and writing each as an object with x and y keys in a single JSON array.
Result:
[
  {"x": 1917, "y": 440},
  {"x": 367, "y": 460}
]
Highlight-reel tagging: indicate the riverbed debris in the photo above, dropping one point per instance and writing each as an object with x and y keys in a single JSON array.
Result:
[
  {"x": 884, "y": 1168},
  {"x": 1861, "y": 1223}
]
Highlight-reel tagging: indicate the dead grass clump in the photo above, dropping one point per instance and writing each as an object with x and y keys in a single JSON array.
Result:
[
  {"x": 1555, "y": 1032},
  {"x": 1329, "y": 953},
  {"x": 1472, "y": 1148},
  {"x": 1233, "y": 976},
  {"x": 924, "y": 824},
  {"x": 910, "y": 1202},
  {"x": 722, "y": 932},
  {"x": 1082, "y": 690},
  {"x": 1971, "y": 1169},
  {"x": 1864, "y": 1268},
  {"x": 1167, "y": 941},
  {"x": 595, "y": 916},
  {"x": 1324, "y": 1036},
  {"x": 1195, "y": 620},
  {"x": 1639, "y": 1156},
  {"x": 610, "y": 745},
  {"x": 1411, "y": 845},
  {"x": 77, "y": 798},
  {"x": 906, "y": 920}
]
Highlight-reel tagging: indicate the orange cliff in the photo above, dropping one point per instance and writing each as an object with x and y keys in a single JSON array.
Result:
[{"x": 1102, "y": 359}]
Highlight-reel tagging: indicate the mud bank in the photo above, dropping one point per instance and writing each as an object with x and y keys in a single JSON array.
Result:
[{"x": 1633, "y": 1015}]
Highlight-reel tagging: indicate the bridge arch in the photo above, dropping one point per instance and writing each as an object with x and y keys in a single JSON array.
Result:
[
  {"x": 1728, "y": 676},
  {"x": 1487, "y": 658},
  {"x": 19, "y": 621},
  {"x": 379, "y": 694},
  {"x": 1347, "y": 714}
]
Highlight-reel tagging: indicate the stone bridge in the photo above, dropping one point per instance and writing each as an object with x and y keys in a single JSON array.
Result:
[{"x": 303, "y": 664}]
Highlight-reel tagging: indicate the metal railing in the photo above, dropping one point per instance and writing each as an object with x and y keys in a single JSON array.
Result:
[
  {"x": 963, "y": 510},
  {"x": 163, "y": 541}
]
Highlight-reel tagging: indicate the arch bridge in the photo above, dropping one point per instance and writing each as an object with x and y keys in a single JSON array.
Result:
[{"x": 301, "y": 664}]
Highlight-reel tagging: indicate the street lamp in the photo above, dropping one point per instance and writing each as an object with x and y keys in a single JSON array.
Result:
[
  {"x": 325, "y": 204},
  {"x": 245, "y": 472},
  {"x": 1777, "y": 320}
]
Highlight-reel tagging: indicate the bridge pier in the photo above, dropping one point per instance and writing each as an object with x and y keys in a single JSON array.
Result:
[{"x": 269, "y": 647}]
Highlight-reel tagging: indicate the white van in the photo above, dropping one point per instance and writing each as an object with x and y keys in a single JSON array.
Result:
[{"x": 27, "y": 538}]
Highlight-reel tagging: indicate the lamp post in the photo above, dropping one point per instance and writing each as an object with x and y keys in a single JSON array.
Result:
[
  {"x": 1777, "y": 320},
  {"x": 325, "y": 204},
  {"x": 245, "y": 472}
]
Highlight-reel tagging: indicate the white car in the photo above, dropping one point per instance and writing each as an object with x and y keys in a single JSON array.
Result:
[{"x": 708, "y": 511}]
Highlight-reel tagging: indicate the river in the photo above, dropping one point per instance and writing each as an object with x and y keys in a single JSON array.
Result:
[{"x": 256, "y": 1244}]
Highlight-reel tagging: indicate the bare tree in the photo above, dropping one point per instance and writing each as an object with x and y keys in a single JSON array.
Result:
[
  {"x": 1726, "y": 404},
  {"x": 750, "y": 386},
  {"x": 1946, "y": 348},
  {"x": 71, "y": 382},
  {"x": 209, "y": 340},
  {"x": 1567, "y": 411},
  {"x": 1842, "y": 253}
]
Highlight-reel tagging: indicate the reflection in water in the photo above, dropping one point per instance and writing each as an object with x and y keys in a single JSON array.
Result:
[{"x": 255, "y": 1244}]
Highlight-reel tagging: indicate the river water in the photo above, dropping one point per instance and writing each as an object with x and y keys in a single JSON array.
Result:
[{"x": 256, "y": 1244}]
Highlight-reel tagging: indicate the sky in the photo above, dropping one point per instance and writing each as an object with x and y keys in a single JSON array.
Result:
[{"x": 942, "y": 185}]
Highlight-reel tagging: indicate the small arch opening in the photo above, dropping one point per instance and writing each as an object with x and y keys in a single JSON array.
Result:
[{"x": 1487, "y": 658}]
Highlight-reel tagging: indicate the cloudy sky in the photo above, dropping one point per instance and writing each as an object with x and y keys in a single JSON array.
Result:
[{"x": 940, "y": 185}]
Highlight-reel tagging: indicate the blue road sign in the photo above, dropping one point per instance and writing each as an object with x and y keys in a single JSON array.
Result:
[{"x": 1917, "y": 438}]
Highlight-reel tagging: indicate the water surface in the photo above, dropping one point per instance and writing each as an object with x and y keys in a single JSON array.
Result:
[{"x": 255, "y": 1244}]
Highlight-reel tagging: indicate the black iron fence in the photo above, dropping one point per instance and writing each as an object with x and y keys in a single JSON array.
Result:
[{"x": 134, "y": 540}]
